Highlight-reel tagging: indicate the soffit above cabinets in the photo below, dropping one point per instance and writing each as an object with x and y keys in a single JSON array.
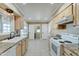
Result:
[{"x": 38, "y": 12}]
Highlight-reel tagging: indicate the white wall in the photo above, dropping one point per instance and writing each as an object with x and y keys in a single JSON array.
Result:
[
  {"x": 49, "y": 27},
  {"x": 31, "y": 31},
  {"x": 44, "y": 31}
]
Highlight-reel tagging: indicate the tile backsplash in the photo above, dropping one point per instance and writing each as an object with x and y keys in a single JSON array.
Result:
[{"x": 72, "y": 30}]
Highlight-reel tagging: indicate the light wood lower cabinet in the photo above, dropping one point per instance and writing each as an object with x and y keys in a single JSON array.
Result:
[
  {"x": 26, "y": 45},
  {"x": 19, "y": 49},
  {"x": 23, "y": 47},
  {"x": 68, "y": 52}
]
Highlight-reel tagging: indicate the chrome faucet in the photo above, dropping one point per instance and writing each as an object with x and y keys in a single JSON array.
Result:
[{"x": 12, "y": 34}]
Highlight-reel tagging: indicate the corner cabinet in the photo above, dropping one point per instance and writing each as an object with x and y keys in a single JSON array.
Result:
[{"x": 76, "y": 14}]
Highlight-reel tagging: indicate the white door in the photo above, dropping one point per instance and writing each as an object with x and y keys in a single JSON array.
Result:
[
  {"x": 44, "y": 31},
  {"x": 31, "y": 32}
]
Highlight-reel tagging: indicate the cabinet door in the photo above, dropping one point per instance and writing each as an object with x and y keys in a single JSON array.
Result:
[
  {"x": 18, "y": 23},
  {"x": 26, "y": 44},
  {"x": 76, "y": 14},
  {"x": 23, "y": 47},
  {"x": 18, "y": 49},
  {"x": 68, "y": 11}
]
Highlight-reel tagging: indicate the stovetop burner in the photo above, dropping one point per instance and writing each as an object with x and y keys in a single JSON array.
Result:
[
  {"x": 65, "y": 41},
  {"x": 57, "y": 38},
  {"x": 68, "y": 41},
  {"x": 61, "y": 41}
]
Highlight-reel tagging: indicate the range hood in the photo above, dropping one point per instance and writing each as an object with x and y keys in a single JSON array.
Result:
[{"x": 65, "y": 20}]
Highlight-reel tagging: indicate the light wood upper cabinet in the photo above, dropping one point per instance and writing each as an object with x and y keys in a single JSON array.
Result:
[
  {"x": 18, "y": 23},
  {"x": 76, "y": 14},
  {"x": 68, "y": 11}
]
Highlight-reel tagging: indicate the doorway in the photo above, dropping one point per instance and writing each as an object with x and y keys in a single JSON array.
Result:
[{"x": 37, "y": 32}]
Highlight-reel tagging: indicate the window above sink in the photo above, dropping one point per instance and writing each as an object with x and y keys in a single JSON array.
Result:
[{"x": 6, "y": 23}]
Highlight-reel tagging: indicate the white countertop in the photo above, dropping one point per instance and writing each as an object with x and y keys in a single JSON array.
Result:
[
  {"x": 6, "y": 44},
  {"x": 14, "y": 40}
]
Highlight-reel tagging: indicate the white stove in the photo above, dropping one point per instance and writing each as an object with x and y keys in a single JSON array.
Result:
[{"x": 55, "y": 44}]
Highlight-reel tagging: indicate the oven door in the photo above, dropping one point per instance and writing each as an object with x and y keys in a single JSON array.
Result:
[{"x": 54, "y": 48}]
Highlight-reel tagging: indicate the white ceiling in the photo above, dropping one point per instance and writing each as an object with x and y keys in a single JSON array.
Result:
[{"x": 38, "y": 12}]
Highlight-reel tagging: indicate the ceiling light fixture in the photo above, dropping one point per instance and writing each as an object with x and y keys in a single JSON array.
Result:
[{"x": 10, "y": 12}]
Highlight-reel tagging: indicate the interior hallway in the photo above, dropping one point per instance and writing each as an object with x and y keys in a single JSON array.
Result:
[{"x": 38, "y": 48}]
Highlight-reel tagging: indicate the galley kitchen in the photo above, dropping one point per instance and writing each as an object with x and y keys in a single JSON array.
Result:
[{"x": 39, "y": 29}]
